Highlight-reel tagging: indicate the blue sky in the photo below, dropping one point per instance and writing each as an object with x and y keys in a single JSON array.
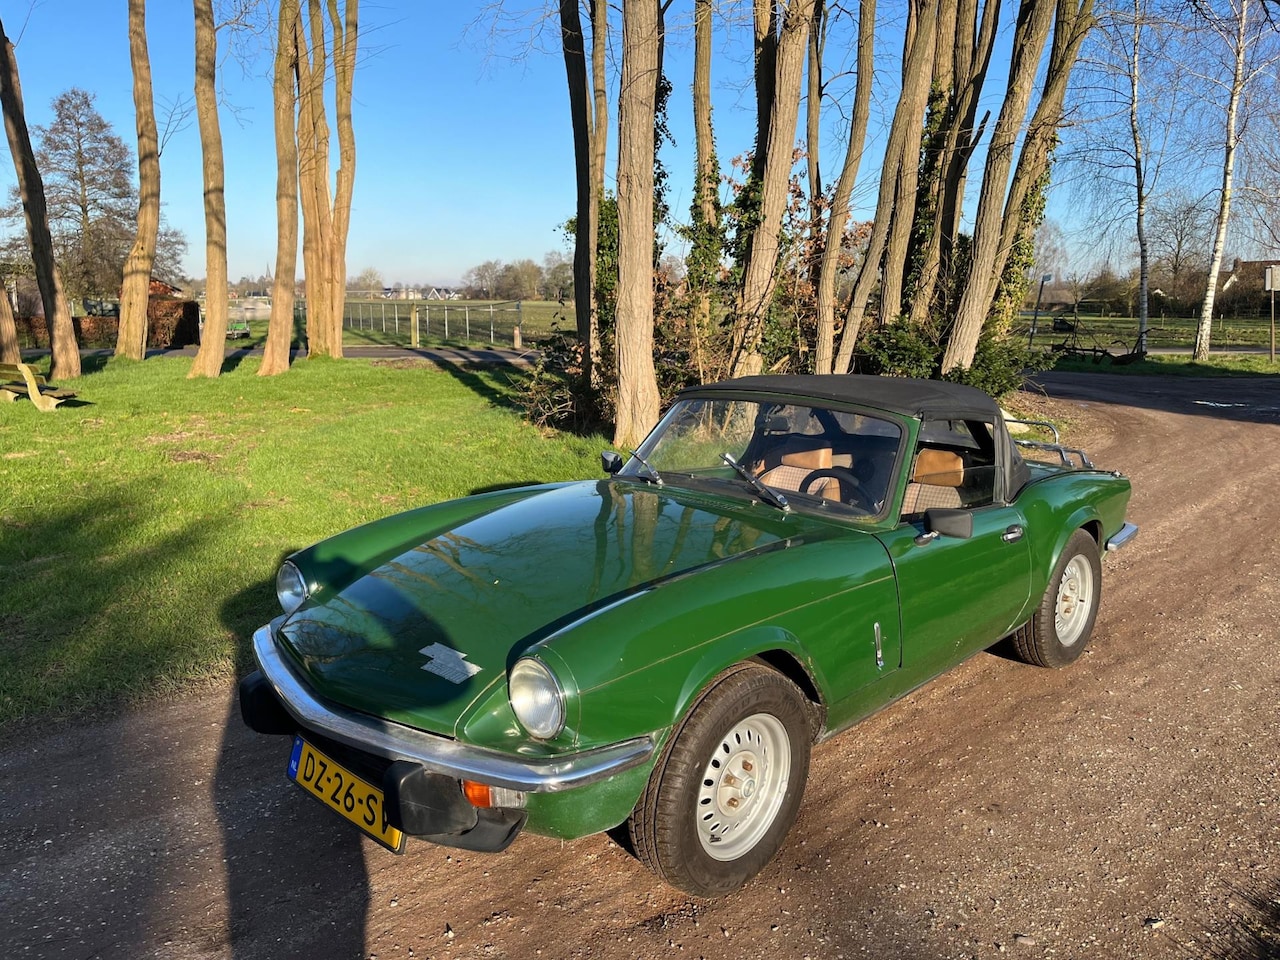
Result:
[{"x": 464, "y": 149}]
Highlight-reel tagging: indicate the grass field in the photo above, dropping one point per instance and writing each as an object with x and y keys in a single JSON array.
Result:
[
  {"x": 1120, "y": 334},
  {"x": 140, "y": 531}
]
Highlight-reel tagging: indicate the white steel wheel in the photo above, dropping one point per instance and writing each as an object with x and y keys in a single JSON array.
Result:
[
  {"x": 1059, "y": 630},
  {"x": 1074, "y": 605},
  {"x": 743, "y": 786},
  {"x": 728, "y": 785}
]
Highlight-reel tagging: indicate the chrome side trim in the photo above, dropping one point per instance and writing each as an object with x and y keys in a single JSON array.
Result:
[
  {"x": 438, "y": 754},
  {"x": 1121, "y": 539}
]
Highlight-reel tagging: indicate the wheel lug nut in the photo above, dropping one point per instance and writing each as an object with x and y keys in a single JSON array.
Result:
[
  {"x": 746, "y": 766},
  {"x": 733, "y": 802},
  {"x": 730, "y": 780}
]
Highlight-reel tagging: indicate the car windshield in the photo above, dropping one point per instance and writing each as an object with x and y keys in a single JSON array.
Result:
[{"x": 814, "y": 455}]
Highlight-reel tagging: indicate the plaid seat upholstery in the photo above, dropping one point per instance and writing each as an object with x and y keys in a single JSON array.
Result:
[{"x": 935, "y": 482}]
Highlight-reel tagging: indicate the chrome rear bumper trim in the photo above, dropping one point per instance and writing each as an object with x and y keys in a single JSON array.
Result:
[
  {"x": 1122, "y": 539},
  {"x": 438, "y": 754}
]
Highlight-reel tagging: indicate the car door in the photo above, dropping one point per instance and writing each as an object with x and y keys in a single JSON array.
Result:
[{"x": 958, "y": 594}]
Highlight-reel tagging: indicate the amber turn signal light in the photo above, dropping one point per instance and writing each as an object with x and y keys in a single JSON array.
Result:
[{"x": 477, "y": 794}]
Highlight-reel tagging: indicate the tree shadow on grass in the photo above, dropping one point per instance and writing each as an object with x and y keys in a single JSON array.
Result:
[{"x": 481, "y": 386}]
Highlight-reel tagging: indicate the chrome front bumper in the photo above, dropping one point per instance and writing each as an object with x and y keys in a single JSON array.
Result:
[
  {"x": 438, "y": 754},
  {"x": 1122, "y": 539}
]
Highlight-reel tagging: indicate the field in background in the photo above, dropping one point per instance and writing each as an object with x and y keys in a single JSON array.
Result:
[{"x": 1120, "y": 334}]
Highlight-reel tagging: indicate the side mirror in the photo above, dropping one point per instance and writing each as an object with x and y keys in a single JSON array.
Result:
[
  {"x": 949, "y": 523},
  {"x": 610, "y": 462}
]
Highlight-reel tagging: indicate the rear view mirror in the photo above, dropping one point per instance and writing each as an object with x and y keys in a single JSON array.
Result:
[{"x": 610, "y": 462}]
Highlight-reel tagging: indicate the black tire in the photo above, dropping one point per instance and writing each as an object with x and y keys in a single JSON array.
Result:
[
  {"x": 1059, "y": 631},
  {"x": 682, "y": 827}
]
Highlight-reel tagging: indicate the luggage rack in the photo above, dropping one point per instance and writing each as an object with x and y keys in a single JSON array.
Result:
[{"x": 1063, "y": 452}]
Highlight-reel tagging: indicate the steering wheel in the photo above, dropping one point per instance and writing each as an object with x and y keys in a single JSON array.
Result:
[{"x": 851, "y": 491}]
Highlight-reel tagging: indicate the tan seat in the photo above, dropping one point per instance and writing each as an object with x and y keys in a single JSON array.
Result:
[
  {"x": 794, "y": 465},
  {"x": 935, "y": 482}
]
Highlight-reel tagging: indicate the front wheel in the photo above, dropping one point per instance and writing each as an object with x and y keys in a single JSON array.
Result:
[
  {"x": 1060, "y": 629},
  {"x": 728, "y": 786}
]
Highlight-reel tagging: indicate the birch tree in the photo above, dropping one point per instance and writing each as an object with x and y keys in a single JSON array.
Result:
[
  {"x": 1239, "y": 29},
  {"x": 131, "y": 340},
  {"x": 65, "y": 360}
]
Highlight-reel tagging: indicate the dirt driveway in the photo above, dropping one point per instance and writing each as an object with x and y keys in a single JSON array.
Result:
[{"x": 1127, "y": 807}]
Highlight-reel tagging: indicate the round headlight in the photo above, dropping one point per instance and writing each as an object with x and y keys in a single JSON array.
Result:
[
  {"x": 291, "y": 588},
  {"x": 536, "y": 698}
]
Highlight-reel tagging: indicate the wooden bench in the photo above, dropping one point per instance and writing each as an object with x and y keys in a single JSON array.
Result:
[{"x": 19, "y": 380}]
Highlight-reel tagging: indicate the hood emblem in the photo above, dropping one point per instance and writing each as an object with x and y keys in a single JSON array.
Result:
[{"x": 448, "y": 663}]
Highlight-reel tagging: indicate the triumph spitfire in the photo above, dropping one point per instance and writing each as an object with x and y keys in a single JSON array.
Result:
[{"x": 661, "y": 648}]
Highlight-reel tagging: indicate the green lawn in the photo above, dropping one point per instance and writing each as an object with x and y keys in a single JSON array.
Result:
[{"x": 140, "y": 532}]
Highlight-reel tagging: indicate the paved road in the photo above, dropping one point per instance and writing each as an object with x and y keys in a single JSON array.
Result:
[{"x": 1126, "y": 807}]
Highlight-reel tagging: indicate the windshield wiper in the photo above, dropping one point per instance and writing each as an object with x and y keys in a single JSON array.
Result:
[
  {"x": 768, "y": 494},
  {"x": 654, "y": 476}
]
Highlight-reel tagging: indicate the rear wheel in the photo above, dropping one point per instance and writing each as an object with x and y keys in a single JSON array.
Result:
[
  {"x": 728, "y": 786},
  {"x": 1060, "y": 629}
]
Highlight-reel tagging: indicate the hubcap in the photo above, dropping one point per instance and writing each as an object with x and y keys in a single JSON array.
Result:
[
  {"x": 1075, "y": 601},
  {"x": 743, "y": 786}
]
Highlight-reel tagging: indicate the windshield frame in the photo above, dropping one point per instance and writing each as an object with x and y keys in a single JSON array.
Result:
[{"x": 736, "y": 487}]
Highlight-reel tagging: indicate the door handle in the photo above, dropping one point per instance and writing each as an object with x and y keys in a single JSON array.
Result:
[{"x": 1012, "y": 533}]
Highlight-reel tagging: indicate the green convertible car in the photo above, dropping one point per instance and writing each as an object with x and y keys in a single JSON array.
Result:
[{"x": 662, "y": 648}]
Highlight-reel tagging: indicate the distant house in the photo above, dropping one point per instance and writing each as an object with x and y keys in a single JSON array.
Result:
[
  {"x": 1249, "y": 273},
  {"x": 443, "y": 293}
]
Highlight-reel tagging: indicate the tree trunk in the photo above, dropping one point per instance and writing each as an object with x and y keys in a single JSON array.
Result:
[
  {"x": 905, "y": 128},
  {"x": 573, "y": 45},
  {"x": 65, "y": 360},
  {"x": 970, "y": 57},
  {"x": 213, "y": 339},
  {"x": 844, "y": 187},
  {"x": 1230, "y": 142},
  {"x": 892, "y": 273},
  {"x": 1030, "y": 34},
  {"x": 313, "y": 180},
  {"x": 760, "y": 271},
  {"x": 766, "y": 71},
  {"x": 346, "y": 34},
  {"x": 9, "y": 352},
  {"x": 599, "y": 142},
  {"x": 275, "y": 353},
  {"x": 638, "y": 400},
  {"x": 1139, "y": 179},
  {"x": 135, "y": 291},
  {"x": 703, "y": 259}
]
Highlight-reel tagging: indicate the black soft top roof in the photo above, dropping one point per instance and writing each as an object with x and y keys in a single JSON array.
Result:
[{"x": 926, "y": 399}]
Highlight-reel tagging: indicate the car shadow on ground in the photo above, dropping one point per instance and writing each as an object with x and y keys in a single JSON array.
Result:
[
  {"x": 295, "y": 872},
  {"x": 1254, "y": 399}
]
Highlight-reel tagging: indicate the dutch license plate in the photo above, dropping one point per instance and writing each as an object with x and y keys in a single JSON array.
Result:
[{"x": 343, "y": 792}]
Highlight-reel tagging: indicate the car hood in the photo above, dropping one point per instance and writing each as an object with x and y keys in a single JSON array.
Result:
[{"x": 417, "y": 638}]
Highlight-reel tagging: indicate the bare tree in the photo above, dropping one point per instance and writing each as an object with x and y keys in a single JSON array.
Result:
[
  {"x": 839, "y": 216},
  {"x": 905, "y": 130},
  {"x": 9, "y": 352},
  {"x": 638, "y": 400},
  {"x": 213, "y": 335},
  {"x": 767, "y": 190},
  {"x": 326, "y": 215},
  {"x": 131, "y": 340},
  {"x": 588, "y": 111},
  {"x": 1240, "y": 28},
  {"x": 275, "y": 353},
  {"x": 1030, "y": 36},
  {"x": 65, "y": 362}
]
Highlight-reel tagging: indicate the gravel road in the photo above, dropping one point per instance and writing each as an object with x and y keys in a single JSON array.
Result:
[{"x": 1127, "y": 807}]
